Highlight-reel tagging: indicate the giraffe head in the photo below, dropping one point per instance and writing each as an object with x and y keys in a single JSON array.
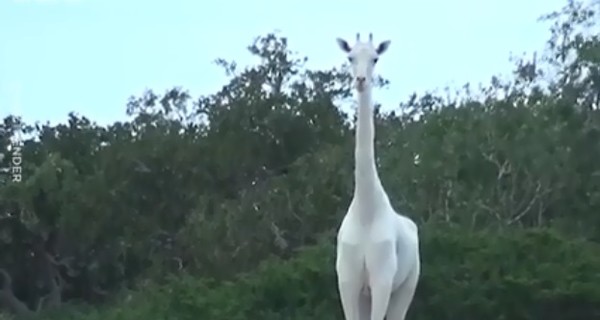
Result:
[{"x": 363, "y": 57}]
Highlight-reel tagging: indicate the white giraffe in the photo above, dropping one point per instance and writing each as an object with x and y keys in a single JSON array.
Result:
[{"x": 377, "y": 263}]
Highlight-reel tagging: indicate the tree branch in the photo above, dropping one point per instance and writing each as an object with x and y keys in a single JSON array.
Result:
[{"x": 9, "y": 300}]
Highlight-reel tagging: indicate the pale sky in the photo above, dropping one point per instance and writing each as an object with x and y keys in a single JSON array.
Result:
[{"x": 89, "y": 56}]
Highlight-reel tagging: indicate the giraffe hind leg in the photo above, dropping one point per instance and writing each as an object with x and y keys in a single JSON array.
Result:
[{"x": 364, "y": 305}]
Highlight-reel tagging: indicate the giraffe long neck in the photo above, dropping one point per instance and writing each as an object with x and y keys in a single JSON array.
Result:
[{"x": 366, "y": 178}]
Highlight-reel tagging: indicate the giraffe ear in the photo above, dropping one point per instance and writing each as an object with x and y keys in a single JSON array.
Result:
[
  {"x": 343, "y": 45},
  {"x": 383, "y": 47}
]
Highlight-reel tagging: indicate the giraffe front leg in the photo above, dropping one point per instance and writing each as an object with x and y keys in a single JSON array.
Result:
[
  {"x": 350, "y": 279},
  {"x": 350, "y": 297},
  {"x": 381, "y": 290},
  {"x": 401, "y": 299},
  {"x": 381, "y": 267}
]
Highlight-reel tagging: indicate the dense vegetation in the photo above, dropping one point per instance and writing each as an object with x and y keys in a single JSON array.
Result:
[{"x": 226, "y": 206}]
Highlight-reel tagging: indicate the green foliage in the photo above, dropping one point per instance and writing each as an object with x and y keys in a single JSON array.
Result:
[{"x": 531, "y": 274}]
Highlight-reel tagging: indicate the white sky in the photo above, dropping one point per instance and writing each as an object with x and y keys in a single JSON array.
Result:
[{"x": 89, "y": 56}]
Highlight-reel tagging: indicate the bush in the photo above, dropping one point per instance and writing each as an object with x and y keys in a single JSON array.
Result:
[{"x": 532, "y": 274}]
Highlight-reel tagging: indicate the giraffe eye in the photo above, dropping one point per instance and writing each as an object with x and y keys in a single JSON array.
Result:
[
  {"x": 375, "y": 60},
  {"x": 350, "y": 59}
]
